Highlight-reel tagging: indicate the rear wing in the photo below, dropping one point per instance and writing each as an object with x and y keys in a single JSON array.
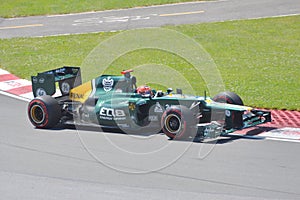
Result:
[{"x": 45, "y": 83}]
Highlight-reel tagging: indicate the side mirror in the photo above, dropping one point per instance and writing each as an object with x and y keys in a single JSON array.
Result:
[{"x": 179, "y": 91}]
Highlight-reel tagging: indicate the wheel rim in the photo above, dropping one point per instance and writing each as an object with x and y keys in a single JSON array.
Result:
[
  {"x": 173, "y": 123},
  {"x": 37, "y": 114}
]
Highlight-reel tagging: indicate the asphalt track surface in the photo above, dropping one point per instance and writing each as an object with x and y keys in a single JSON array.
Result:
[
  {"x": 85, "y": 164},
  {"x": 155, "y": 16}
]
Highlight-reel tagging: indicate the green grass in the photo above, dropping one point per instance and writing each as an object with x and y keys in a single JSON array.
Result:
[
  {"x": 17, "y": 8},
  {"x": 258, "y": 59}
]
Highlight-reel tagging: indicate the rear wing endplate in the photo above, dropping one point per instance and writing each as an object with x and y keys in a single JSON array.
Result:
[{"x": 45, "y": 83}]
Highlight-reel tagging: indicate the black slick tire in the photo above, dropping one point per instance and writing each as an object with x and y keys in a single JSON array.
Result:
[
  {"x": 235, "y": 118},
  {"x": 228, "y": 97},
  {"x": 44, "y": 112}
]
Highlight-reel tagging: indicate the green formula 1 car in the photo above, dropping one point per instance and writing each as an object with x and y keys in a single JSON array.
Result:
[{"x": 116, "y": 102}]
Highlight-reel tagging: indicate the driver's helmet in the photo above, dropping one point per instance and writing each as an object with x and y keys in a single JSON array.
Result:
[{"x": 144, "y": 90}]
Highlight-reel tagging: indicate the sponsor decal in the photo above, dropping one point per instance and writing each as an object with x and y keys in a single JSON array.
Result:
[
  {"x": 112, "y": 114},
  {"x": 107, "y": 84},
  {"x": 131, "y": 106},
  {"x": 34, "y": 80},
  {"x": 153, "y": 118},
  {"x": 59, "y": 70},
  {"x": 76, "y": 96},
  {"x": 123, "y": 125},
  {"x": 158, "y": 108},
  {"x": 65, "y": 87},
  {"x": 40, "y": 92},
  {"x": 227, "y": 113},
  {"x": 212, "y": 130},
  {"x": 41, "y": 80},
  {"x": 13, "y": 83}
]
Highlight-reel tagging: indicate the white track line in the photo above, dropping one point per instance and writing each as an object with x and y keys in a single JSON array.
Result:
[
  {"x": 2, "y": 72},
  {"x": 15, "y": 96},
  {"x": 282, "y": 139},
  {"x": 121, "y": 9}
]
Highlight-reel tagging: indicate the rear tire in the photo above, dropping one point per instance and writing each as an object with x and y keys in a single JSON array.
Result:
[
  {"x": 44, "y": 112},
  {"x": 179, "y": 123}
]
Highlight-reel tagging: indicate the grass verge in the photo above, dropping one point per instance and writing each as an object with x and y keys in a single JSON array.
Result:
[
  {"x": 258, "y": 59},
  {"x": 17, "y": 8}
]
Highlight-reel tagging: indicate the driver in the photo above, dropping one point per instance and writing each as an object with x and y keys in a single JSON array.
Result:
[{"x": 144, "y": 91}]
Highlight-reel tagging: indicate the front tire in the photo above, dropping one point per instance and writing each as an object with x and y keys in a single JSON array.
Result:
[
  {"x": 44, "y": 112},
  {"x": 233, "y": 119},
  {"x": 228, "y": 97},
  {"x": 178, "y": 122}
]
